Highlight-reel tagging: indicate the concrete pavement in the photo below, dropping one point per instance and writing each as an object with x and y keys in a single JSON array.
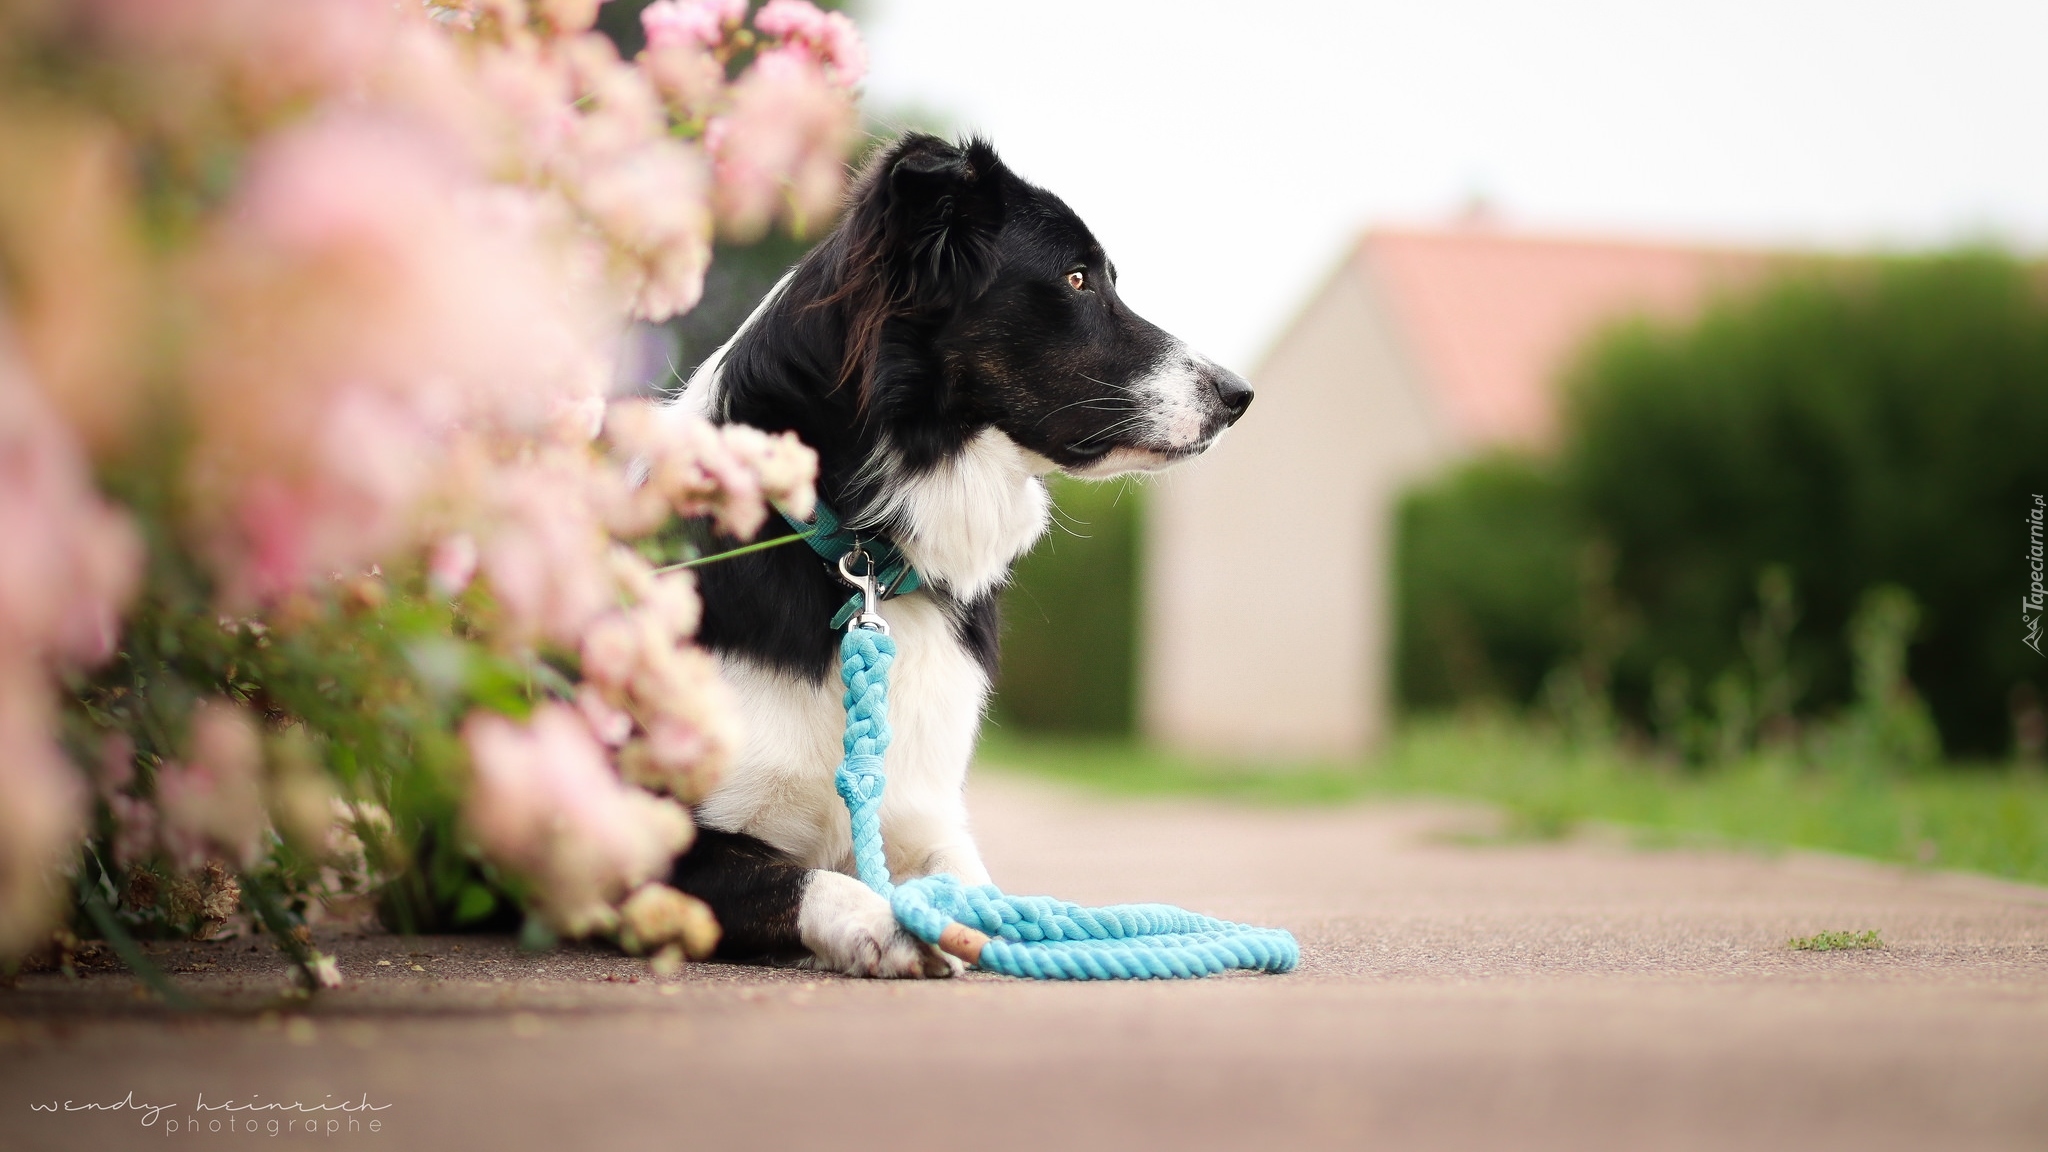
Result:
[{"x": 1456, "y": 992}]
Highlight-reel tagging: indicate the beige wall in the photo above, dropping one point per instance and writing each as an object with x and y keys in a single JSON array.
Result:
[{"x": 1266, "y": 623}]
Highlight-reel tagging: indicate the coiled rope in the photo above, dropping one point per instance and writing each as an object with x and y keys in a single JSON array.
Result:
[{"x": 1032, "y": 936}]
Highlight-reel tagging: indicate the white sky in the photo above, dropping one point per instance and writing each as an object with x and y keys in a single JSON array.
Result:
[{"x": 1225, "y": 153}]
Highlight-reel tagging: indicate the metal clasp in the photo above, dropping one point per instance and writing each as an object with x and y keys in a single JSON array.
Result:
[{"x": 870, "y": 592}]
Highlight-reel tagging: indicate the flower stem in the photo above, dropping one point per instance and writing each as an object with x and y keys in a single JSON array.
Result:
[
  {"x": 278, "y": 922},
  {"x": 760, "y": 546}
]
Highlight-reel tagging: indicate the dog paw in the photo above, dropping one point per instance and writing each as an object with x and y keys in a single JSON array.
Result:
[{"x": 851, "y": 929}]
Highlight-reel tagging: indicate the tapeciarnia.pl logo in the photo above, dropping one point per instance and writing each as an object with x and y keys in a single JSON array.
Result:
[{"x": 2036, "y": 599}]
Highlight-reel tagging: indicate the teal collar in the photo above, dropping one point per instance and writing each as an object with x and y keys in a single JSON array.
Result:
[{"x": 831, "y": 539}]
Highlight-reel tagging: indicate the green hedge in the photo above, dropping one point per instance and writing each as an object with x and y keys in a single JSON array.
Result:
[
  {"x": 1483, "y": 576},
  {"x": 1854, "y": 424},
  {"x": 1070, "y": 616}
]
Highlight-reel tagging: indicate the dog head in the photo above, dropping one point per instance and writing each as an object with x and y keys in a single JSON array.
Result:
[
  {"x": 955, "y": 338},
  {"x": 977, "y": 299}
]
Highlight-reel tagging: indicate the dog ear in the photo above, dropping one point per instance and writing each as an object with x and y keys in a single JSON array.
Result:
[
  {"x": 919, "y": 238},
  {"x": 944, "y": 210}
]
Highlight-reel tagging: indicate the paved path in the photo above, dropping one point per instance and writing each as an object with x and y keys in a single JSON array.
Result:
[{"x": 1453, "y": 995}]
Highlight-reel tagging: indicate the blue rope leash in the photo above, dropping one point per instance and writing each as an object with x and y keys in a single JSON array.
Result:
[{"x": 1034, "y": 936}]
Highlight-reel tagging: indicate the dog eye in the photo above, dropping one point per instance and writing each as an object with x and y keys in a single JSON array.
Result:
[{"x": 1077, "y": 280}]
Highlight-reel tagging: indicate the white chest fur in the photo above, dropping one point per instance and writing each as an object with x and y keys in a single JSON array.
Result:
[
  {"x": 964, "y": 522},
  {"x": 961, "y": 525},
  {"x": 780, "y": 787}
]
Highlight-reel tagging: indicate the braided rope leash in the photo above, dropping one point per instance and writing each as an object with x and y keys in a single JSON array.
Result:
[{"x": 1034, "y": 936}]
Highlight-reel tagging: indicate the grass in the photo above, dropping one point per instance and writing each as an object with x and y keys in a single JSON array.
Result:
[
  {"x": 1979, "y": 818},
  {"x": 1835, "y": 942}
]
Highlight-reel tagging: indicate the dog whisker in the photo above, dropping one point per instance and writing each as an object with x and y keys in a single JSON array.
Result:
[
  {"x": 1111, "y": 430},
  {"x": 1104, "y": 383},
  {"x": 1091, "y": 402},
  {"x": 1068, "y": 522}
]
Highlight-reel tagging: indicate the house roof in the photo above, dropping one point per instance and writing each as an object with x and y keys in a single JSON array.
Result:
[{"x": 1492, "y": 317}]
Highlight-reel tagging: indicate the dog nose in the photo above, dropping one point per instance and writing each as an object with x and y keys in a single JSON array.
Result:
[{"x": 1235, "y": 394}]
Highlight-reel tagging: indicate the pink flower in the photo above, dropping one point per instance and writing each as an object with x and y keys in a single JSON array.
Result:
[
  {"x": 263, "y": 56},
  {"x": 730, "y": 472},
  {"x": 673, "y": 601},
  {"x": 452, "y": 565},
  {"x": 675, "y": 745},
  {"x": 690, "y": 77},
  {"x": 672, "y": 281},
  {"x": 71, "y": 561},
  {"x": 117, "y": 763},
  {"x": 568, "y": 15},
  {"x": 672, "y": 22},
  {"x": 692, "y": 722},
  {"x": 650, "y": 203},
  {"x": 576, "y": 419},
  {"x": 531, "y": 95},
  {"x": 359, "y": 304},
  {"x": 439, "y": 85},
  {"x": 42, "y": 808},
  {"x": 276, "y": 559},
  {"x": 75, "y": 272},
  {"x": 780, "y": 150},
  {"x": 380, "y": 335},
  {"x": 828, "y": 36},
  {"x": 545, "y": 803},
  {"x": 611, "y": 650},
  {"x": 619, "y": 111},
  {"x": 135, "y": 831},
  {"x": 610, "y": 725},
  {"x": 213, "y": 802},
  {"x": 784, "y": 467},
  {"x": 846, "y": 54},
  {"x": 658, "y": 915},
  {"x": 544, "y": 551},
  {"x": 791, "y": 19},
  {"x": 388, "y": 330}
]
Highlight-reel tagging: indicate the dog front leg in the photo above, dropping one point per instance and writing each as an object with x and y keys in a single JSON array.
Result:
[
  {"x": 849, "y": 928},
  {"x": 933, "y": 843},
  {"x": 771, "y": 909}
]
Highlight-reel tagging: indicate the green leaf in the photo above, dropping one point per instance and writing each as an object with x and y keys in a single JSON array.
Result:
[
  {"x": 498, "y": 685},
  {"x": 475, "y": 903}
]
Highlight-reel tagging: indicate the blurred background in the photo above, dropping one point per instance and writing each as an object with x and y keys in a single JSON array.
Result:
[{"x": 1670, "y": 380}]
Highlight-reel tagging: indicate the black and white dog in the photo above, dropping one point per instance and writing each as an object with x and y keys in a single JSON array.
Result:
[{"x": 953, "y": 341}]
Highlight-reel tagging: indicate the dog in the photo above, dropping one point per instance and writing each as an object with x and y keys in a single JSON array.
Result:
[{"x": 954, "y": 340}]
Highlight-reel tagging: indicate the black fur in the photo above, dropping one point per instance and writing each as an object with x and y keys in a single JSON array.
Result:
[{"x": 754, "y": 891}]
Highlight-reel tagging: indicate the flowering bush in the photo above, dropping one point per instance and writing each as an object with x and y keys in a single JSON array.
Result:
[{"x": 333, "y": 576}]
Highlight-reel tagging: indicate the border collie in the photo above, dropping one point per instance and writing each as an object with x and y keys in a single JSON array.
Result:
[{"x": 954, "y": 340}]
